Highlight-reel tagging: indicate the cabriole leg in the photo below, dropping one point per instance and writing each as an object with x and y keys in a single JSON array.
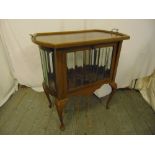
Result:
[
  {"x": 114, "y": 87},
  {"x": 47, "y": 94},
  {"x": 60, "y": 104}
]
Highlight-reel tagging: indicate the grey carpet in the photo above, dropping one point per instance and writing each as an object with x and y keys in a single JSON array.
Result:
[{"x": 27, "y": 112}]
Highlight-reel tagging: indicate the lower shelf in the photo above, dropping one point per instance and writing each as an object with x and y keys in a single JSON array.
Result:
[{"x": 81, "y": 76}]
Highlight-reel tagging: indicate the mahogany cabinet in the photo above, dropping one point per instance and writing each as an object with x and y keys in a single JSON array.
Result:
[{"x": 78, "y": 63}]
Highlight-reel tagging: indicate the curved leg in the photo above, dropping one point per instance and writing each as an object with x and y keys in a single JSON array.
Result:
[
  {"x": 47, "y": 94},
  {"x": 60, "y": 106},
  {"x": 114, "y": 87}
]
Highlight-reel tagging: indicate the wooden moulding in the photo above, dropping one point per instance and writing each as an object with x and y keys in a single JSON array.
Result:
[{"x": 63, "y": 44}]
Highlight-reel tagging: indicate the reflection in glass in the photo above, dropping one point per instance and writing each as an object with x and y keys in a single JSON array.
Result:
[
  {"x": 47, "y": 57},
  {"x": 88, "y": 66}
]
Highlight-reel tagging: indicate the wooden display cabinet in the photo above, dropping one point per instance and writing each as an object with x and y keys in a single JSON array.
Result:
[{"x": 78, "y": 63}]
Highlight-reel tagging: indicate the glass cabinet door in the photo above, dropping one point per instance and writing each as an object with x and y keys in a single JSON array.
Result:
[
  {"x": 47, "y": 60},
  {"x": 88, "y": 66}
]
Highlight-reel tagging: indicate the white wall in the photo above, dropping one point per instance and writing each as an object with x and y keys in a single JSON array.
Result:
[
  {"x": 24, "y": 54},
  {"x": 134, "y": 59},
  {"x": 138, "y": 53},
  {"x": 7, "y": 81}
]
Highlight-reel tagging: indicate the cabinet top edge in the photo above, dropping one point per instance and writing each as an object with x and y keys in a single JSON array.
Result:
[{"x": 67, "y": 39}]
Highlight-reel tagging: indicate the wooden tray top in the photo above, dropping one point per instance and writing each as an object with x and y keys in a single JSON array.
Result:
[{"x": 76, "y": 38}]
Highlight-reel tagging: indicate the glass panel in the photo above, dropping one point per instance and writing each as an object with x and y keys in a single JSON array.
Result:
[
  {"x": 47, "y": 57},
  {"x": 88, "y": 66}
]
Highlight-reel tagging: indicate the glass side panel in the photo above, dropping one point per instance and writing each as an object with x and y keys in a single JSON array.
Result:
[
  {"x": 88, "y": 66},
  {"x": 47, "y": 59}
]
